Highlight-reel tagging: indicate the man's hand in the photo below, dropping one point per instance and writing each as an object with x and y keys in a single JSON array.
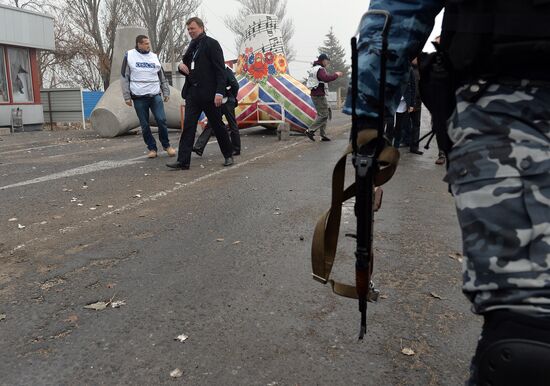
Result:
[
  {"x": 166, "y": 98},
  {"x": 411, "y": 109},
  {"x": 218, "y": 100},
  {"x": 183, "y": 68},
  {"x": 339, "y": 73},
  {"x": 129, "y": 102}
]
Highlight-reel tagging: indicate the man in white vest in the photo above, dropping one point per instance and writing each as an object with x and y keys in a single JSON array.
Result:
[
  {"x": 317, "y": 82},
  {"x": 142, "y": 83}
]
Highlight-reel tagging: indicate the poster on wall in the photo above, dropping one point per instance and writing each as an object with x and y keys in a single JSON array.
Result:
[
  {"x": 4, "y": 97},
  {"x": 20, "y": 72}
]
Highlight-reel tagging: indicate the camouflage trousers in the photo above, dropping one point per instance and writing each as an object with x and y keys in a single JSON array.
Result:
[
  {"x": 323, "y": 114},
  {"x": 500, "y": 176}
]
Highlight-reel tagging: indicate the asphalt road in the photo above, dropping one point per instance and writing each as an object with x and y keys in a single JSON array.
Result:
[{"x": 221, "y": 255}]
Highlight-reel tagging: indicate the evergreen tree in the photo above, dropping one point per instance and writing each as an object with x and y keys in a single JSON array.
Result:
[{"x": 332, "y": 47}]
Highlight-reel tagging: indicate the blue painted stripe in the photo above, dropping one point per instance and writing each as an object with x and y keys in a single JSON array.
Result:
[
  {"x": 242, "y": 82},
  {"x": 265, "y": 97}
]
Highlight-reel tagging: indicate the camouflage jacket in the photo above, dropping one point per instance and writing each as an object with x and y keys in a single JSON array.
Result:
[{"x": 412, "y": 23}]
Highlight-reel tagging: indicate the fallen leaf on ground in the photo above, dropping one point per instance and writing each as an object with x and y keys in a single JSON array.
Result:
[
  {"x": 97, "y": 306},
  {"x": 2, "y": 316},
  {"x": 236, "y": 242},
  {"x": 118, "y": 303},
  {"x": 110, "y": 285},
  {"x": 177, "y": 373},
  {"x": 137, "y": 196},
  {"x": 433, "y": 294},
  {"x": 12, "y": 219},
  {"x": 219, "y": 240},
  {"x": 408, "y": 351},
  {"x": 181, "y": 338},
  {"x": 21, "y": 226},
  {"x": 383, "y": 296},
  {"x": 72, "y": 319},
  {"x": 457, "y": 256}
]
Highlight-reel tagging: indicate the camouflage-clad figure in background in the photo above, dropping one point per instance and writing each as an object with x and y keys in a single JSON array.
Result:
[{"x": 499, "y": 173}]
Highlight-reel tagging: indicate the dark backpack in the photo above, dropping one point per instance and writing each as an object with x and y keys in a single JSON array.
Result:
[{"x": 502, "y": 38}]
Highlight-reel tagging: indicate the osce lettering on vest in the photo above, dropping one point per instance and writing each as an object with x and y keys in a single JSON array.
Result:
[
  {"x": 144, "y": 78},
  {"x": 312, "y": 80}
]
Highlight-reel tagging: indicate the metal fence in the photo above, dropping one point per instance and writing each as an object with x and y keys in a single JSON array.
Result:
[{"x": 63, "y": 105}]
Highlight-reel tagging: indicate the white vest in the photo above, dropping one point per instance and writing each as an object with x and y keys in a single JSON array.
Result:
[
  {"x": 144, "y": 68},
  {"x": 312, "y": 80}
]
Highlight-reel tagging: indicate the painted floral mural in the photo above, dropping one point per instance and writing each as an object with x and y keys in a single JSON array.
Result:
[{"x": 258, "y": 66}]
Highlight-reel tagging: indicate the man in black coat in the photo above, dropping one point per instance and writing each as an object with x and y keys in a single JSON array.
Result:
[
  {"x": 204, "y": 89},
  {"x": 228, "y": 110}
]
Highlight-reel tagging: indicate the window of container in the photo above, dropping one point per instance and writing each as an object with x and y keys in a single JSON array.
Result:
[
  {"x": 20, "y": 74},
  {"x": 4, "y": 96}
]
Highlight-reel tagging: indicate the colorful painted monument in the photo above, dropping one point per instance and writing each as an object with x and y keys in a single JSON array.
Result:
[{"x": 267, "y": 92}]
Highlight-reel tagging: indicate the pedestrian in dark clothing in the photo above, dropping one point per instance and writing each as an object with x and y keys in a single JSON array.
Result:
[
  {"x": 317, "y": 81},
  {"x": 228, "y": 110},
  {"x": 402, "y": 117},
  {"x": 415, "y": 113},
  {"x": 204, "y": 89}
]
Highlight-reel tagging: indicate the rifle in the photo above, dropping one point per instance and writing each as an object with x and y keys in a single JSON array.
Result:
[
  {"x": 375, "y": 164},
  {"x": 365, "y": 160}
]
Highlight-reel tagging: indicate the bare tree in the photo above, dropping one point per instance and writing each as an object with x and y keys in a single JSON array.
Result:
[
  {"x": 153, "y": 15},
  {"x": 93, "y": 24},
  {"x": 27, "y": 4},
  {"x": 274, "y": 7}
]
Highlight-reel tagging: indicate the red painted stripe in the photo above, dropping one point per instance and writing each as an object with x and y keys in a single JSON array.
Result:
[
  {"x": 247, "y": 112},
  {"x": 244, "y": 91},
  {"x": 271, "y": 112}
]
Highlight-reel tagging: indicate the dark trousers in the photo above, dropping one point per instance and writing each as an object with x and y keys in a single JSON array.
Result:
[
  {"x": 193, "y": 109},
  {"x": 142, "y": 106},
  {"x": 415, "y": 128},
  {"x": 401, "y": 120},
  {"x": 390, "y": 128},
  {"x": 228, "y": 110}
]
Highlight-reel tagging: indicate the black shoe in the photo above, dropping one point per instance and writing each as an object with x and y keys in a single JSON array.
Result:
[
  {"x": 325, "y": 139},
  {"x": 416, "y": 151},
  {"x": 310, "y": 135},
  {"x": 236, "y": 152},
  {"x": 228, "y": 161},
  {"x": 197, "y": 151},
  {"x": 178, "y": 165}
]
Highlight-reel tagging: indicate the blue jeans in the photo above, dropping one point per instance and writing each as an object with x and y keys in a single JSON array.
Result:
[{"x": 142, "y": 106}]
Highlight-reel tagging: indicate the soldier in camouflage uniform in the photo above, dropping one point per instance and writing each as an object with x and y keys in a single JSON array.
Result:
[{"x": 499, "y": 172}]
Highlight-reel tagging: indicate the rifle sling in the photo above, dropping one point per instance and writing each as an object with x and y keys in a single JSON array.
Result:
[{"x": 325, "y": 235}]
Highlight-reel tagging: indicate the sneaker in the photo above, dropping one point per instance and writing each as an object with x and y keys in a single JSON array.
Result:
[
  {"x": 325, "y": 139},
  {"x": 170, "y": 151},
  {"x": 152, "y": 154},
  {"x": 310, "y": 134},
  {"x": 441, "y": 159}
]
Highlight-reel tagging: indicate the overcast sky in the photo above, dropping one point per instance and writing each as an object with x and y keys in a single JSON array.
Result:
[{"x": 312, "y": 21}]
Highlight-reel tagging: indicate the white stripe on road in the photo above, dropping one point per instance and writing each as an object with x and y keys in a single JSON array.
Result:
[{"x": 95, "y": 167}]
